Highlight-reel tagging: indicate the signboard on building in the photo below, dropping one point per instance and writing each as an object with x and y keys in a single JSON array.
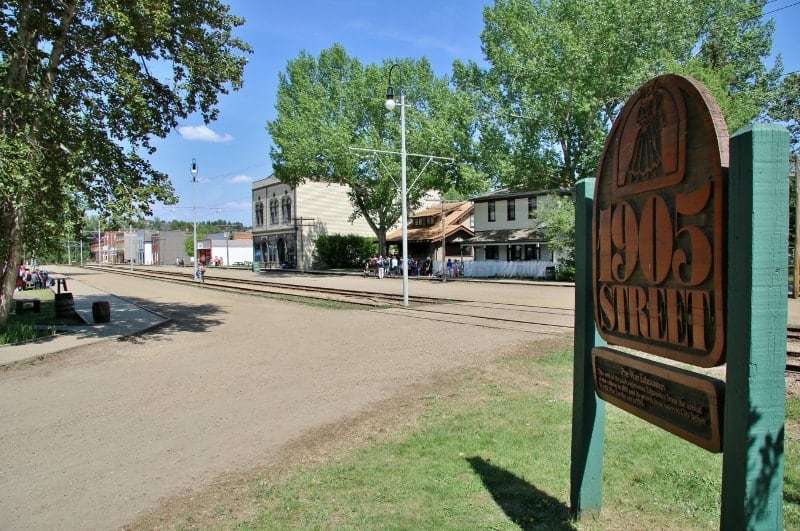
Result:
[{"x": 658, "y": 225}]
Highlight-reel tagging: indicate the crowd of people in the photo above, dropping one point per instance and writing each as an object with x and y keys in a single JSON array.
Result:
[
  {"x": 392, "y": 266},
  {"x": 32, "y": 279}
]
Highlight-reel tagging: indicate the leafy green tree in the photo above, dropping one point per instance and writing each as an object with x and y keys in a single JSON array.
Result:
[
  {"x": 327, "y": 104},
  {"x": 786, "y": 108},
  {"x": 560, "y": 71},
  {"x": 555, "y": 217},
  {"x": 84, "y": 87}
]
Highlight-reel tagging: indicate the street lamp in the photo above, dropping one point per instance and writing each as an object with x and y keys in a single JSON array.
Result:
[
  {"x": 194, "y": 217},
  {"x": 390, "y": 105}
]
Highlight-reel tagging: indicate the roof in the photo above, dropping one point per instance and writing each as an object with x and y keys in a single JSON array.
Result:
[
  {"x": 510, "y": 236},
  {"x": 429, "y": 234},
  {"x": 507, "y": 193},
  {"x": 456, "y": 220},
  {"x": 437, "y": 211}
]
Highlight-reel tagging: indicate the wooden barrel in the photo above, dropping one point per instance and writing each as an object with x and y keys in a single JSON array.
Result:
[
  {"x": 64, "y": 305},
  {"x": 101, "y": 311}
]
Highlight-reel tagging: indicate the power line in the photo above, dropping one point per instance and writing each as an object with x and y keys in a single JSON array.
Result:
[{"x": 762, "y": 15}]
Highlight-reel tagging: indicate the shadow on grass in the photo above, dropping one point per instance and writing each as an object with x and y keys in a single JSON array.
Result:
[{"x": 524, "y": 504}]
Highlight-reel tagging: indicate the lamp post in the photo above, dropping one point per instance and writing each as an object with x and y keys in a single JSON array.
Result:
[
  {"x": 194, "y": 218},
  {"x": 390, "y": 105}
]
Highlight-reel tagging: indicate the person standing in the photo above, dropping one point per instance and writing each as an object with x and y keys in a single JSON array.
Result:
[
  {"x": 380, "y": 267},
  {"x": 449, "y": 268}
]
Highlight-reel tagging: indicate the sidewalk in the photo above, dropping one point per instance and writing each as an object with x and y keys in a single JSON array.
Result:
[{"x": 126, "y": 319}]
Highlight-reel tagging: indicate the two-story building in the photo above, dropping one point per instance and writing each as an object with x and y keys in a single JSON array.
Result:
[
  {"x": 507, "y": 230},
  {"x": 287, "y": 220}
]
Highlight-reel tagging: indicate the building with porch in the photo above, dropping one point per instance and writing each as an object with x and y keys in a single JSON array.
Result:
[
  {"x": 508, "y": 240},
  {"x": 287, "y": 220},
  {"x": 426, "y": 229}
]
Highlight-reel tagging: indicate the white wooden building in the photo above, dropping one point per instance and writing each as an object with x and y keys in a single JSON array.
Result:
[{"x": 507, "y": 241}]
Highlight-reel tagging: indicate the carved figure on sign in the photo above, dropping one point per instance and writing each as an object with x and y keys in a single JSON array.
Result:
[{"x": 646, "y": 160}]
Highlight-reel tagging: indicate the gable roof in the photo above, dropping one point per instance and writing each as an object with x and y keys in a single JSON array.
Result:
[{"x": 456, "y": 219}]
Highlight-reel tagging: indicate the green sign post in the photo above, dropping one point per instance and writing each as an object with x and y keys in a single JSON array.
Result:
[
  {"x": 588, "y": 411},
  {"x": 755, "y": 392},
  {"x": 682, "y": 252}
]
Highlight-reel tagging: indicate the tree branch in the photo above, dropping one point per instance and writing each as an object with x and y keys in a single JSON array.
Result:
[{"x": 59, "y": 46}]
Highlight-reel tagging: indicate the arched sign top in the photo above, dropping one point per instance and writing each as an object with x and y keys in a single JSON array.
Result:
[{"x": 658, "y": 224}]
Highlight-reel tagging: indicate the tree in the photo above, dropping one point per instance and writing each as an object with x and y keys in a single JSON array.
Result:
[
  {"x": 84, "y": 87},
  {"x": 556, "y": 219},
  {"x": 327, "y": 104},
  {"x": 786, "y": 108},
  {"x": 560, "y": 71}
]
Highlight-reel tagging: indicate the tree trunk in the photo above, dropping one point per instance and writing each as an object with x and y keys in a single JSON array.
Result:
[
  {"x": 10, "y": 263},
  {"x": 382, "y": 250}
]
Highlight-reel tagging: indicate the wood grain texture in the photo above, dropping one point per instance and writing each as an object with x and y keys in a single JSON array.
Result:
[
  {"x": 752, "y": 465},
  {"x": 686, "y": 404},
  {"x": 588, "y": 411},
  {"x": 658, "y": 226}
]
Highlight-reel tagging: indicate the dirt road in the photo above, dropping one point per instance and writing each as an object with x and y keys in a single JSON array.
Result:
[{"x": 93, "y": 438}]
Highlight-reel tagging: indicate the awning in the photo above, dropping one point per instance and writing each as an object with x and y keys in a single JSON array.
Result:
[{"x": 506, "y": 236}]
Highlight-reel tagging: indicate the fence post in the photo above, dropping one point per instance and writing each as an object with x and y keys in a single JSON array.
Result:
[
  {"x": 758, "y": 213},
  {"x": 588, "y": 411}
]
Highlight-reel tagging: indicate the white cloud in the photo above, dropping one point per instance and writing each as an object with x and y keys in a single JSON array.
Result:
[
  {"x": 240, "y": 179},
  {"x": 203, "y": 133}
]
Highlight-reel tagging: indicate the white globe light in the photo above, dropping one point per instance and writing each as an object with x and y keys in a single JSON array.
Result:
[{"x": 390, "y": 104}]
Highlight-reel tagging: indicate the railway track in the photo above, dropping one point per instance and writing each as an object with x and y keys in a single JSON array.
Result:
[
  {"x": 363, "y": 298},
  {"x": 540, "y": 320},
  {"x": 493, "y": 315}
]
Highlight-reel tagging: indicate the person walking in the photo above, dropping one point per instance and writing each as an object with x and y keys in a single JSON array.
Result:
[
  {"x": 449, "y": 268},
  {"x": 380, "y": 267},
  {"x": 202, "y": 271}
]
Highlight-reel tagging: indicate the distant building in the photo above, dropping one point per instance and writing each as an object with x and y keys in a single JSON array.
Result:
[
  {"x": 231, "y": 248},
  {"x": 288, "y": 220},
  {"x": 425, "y": 231},
  {"x": 138, "y": 246},
  {"x": 168, "y": 246},
  {"x": 507, "y": 231},
  {"x": 108, "y": 248}
]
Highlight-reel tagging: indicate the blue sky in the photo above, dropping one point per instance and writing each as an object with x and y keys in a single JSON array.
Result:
[{"x": 235, "y": 149}]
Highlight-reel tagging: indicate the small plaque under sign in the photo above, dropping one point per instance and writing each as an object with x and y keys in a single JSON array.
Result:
[{"x": 681, "y": 402}]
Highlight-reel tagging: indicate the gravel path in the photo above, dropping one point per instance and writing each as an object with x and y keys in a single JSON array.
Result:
[{"x": 93, "y": 438}]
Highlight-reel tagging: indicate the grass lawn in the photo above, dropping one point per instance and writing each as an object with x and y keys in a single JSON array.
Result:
[
  {"x": 492, "y": 452},
  {"x": 24, "y": 327}
]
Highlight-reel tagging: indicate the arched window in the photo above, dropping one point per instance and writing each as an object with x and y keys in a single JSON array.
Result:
[
  {"x": 273, "y": 211},
  {"x": 288, "y": 210},
  {"x": 259, "y": 213}
]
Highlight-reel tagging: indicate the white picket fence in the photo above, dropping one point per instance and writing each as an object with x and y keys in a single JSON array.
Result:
[{"x": 502, "y": 269}]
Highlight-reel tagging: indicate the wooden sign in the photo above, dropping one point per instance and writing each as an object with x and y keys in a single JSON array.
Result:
[
  {"x": 658, "y": 228},
  {"x": 681, "y": 402}
]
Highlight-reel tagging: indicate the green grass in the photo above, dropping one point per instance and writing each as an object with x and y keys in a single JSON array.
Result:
[
  {"x": 21, "y": 328},
  {"x": 494, "y": 454}
]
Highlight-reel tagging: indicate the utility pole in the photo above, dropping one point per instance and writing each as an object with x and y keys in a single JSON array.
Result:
[
  {"x": 130, "y": 244},
  {"x": 98, "y": 240},
  {"x": 227, "y": 251},
  {"x": 404, "y": 201},
  {"x": 444, "y": 245},
  {"x": 194, "y": 219},
  {"x": 796, "y": 275},
  {"x": 69, "y": 254},
  {"x": 81, "y": 248}
]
